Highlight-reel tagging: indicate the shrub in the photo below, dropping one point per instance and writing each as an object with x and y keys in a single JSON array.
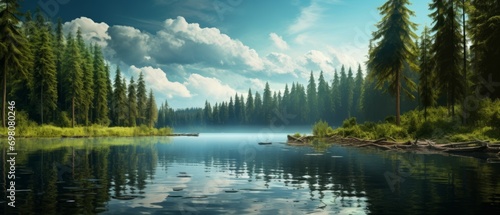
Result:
[
  {"x": 320, "y": 129},
  {"x": 349, "y": 122}
]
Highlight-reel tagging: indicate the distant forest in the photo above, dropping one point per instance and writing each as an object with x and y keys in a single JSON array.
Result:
[{"x": 436, "y": 69}]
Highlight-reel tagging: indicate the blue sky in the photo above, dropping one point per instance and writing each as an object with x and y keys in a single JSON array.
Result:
[{"x": 192, "y": 50}]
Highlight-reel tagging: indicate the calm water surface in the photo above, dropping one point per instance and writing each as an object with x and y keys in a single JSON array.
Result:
[{"x": 231, "y": 174}]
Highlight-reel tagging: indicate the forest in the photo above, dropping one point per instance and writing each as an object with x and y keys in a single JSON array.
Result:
[
  {"x": 446, "y": 78},
  {"x": 59, "y": 80}
]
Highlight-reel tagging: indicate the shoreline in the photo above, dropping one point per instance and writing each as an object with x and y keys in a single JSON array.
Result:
[{"x": 424, "y": 146}]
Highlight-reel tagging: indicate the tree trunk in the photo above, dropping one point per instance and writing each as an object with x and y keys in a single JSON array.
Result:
[{"x": 398, "y": 98}]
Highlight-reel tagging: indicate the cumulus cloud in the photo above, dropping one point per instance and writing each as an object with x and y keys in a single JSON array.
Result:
[
  {"x": 212, "y": 88},
  {"x": 129, "y": 45},
  {"x": 91, "y": 31},
  {"x": 278, "y": 41},
  {"x": 180, "y": 42},
  {"x": 158, "y": 81}
]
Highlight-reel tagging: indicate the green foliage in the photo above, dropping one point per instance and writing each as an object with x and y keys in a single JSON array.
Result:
[
  {"x": 297, "y": 135},
  {"x": 394, "y": 49},
  {"x": 348, "y": 123},
  {"x": 320, "y": 129}
]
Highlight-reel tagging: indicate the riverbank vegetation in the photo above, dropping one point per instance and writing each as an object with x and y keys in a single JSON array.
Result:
[
  {"x": 437, "y": 126},
  {"x": 456, "y": 90}
]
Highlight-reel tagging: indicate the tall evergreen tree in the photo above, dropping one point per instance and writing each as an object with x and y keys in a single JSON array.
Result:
[
  {"x": 88, "y": 86},
  {"x": 249, "y": 107},
  {"x": 151, "y": 110},
  {"x": 119, "y": 100},
  {"x": 335, "y": 97},
  {"x": 447, "y": 50},
  {"x": 485, "y": 35},
  {"x": 258, "y": 109},
  {"x": 59, "y": 47},
  {"x": 312, "y": 99},
  {"x": 324, "y": 100},
  {"x": 132, "y": 104},
  {"x": 100, "y": 104},
  {"x": 427, "y": 77},
  {"x": 14, "y": 49},
  {"x": 357, "y": 93},
  {"x": 73, "y": 77},
  {"x": 141, "y": 100},
  {"x": 395, "y": 46},
  {"x": 44, "y": 90},
  {"x": 267, "y": 104}
]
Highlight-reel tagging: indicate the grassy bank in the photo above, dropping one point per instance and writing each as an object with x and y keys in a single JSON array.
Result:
[
  {"x": 88, "y": 131},
  {"x": 483, "y": 125}
]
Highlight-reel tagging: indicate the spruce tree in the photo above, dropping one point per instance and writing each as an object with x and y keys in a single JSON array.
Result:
[
  {"x": 151, "y": 110},
  {"x": 141, "y": 100},
  {"x": 267, "y": 104},
  {"x": 357, "y": 93},
  {"x": 73, "y": 78},
  {"x": 324, "y": 100},
  {"x": 132, "y": 104},
  {"x": 447, "y": 51},
  {"x": 249, "y": 108},
  {"x": 395, "y": 46},
  {"x": 119, "y": 100},
  {"x": 427, "y": 77},
  {"x": 100, "y": 104},
  {"x": 44, "y": 89},
  {"x": 14, "y": 49},
  {"x": 312, "y": 99}
]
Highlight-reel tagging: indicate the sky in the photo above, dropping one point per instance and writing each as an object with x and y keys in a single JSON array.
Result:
[{"x": 192, "y": 51}]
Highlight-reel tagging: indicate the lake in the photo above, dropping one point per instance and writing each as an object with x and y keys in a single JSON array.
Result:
[{"x": 229, "y": 173}]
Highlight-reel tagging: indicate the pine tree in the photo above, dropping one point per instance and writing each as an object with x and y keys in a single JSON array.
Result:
[
  {"x": 427, "y": 76},
  {"x": 88, "y": 86},
  {"x": 446, "y": 51},
  {"x": 59, "y": 47},
  {"x": 44, "y": 90},
  {"x": 100, "y": 104},
  {"x": 312, "y": 99},
  {"x": 336, "y": 98},
  {"x": 324, "y": 100},
  {"x": 207, "y": 113},
  {"x": 14, "y": 49},
  {"x": 73, "y": 77},
  {"x": 141, "y": 100},
  {"x": 395, "y": 45},
  {"x": 357, "y": 93},
  {"x": 485, "y": 35},
  {"x": 151, "y": 110},
  {"x": 132, "y": 103},
  {"x": 119, "y": 100},
  {"x": 267, "y": 104},
  {"x": 258, "y": 109},
  {"x": 249, "y": 108}
]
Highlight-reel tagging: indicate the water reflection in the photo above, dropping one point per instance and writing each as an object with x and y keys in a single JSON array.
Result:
[{"x": 230, "y": 173}]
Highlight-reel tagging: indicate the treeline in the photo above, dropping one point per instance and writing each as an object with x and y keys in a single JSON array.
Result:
[
  {"x": 61, "y": 80},
  {"x": 345, "y": 96},
  {"x": 435, "y": 69}
]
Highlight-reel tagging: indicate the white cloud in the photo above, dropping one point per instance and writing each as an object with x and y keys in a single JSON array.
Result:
[
  {"x": 158, "y": 81},
  {"x": 211, "y": 88},
  {"x": 308, "y": 17},
  {"x": 91, "y": 31},
  {"x": 278, "y": 41}
]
